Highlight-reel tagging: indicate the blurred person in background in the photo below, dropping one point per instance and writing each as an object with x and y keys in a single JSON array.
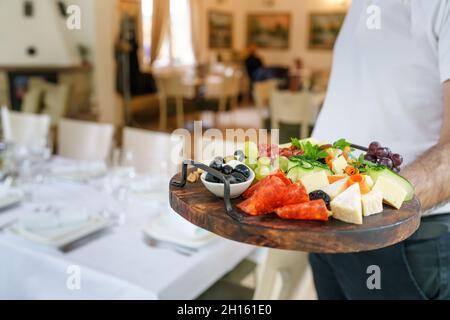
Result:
[{"x": 253, "y": 63}]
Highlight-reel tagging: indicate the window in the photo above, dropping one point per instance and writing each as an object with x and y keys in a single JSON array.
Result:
[{"x": 177, "y": 46}]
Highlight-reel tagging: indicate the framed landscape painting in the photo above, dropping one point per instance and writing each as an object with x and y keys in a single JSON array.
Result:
[
  {"x": 269, "y": 31},
  {"x": 324, "y": 29},
  {"x": 220, "y": 30}
]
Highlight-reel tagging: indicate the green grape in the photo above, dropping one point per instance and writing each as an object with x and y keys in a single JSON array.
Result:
[
  {"x": 282, "y": 163},
  {"x": 251, "y": 163},
  {"x": 264, "y": 162},
  {"x": 262, "y": 172},
  {"x": 251, "y": 150}
]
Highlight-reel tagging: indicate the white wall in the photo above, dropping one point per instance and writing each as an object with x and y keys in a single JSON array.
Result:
[{"x": 299, "y": 10}]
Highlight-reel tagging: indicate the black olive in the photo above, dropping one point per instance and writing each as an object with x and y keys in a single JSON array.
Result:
[
  {"x": 216, "y": 166},
  {"x": 319, "y": 194},
  {"x": 210, "y": 178},
  {"x": 239, "y": 155},
  {"x": 231, "y": 179},
  {"x": 240, "y": 178},
  {"x": 227, "y": 169},
  {"x": 243, "y": 169}
]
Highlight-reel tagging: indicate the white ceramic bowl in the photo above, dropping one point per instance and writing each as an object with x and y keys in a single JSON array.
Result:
[{"x": 235, "y": 189}]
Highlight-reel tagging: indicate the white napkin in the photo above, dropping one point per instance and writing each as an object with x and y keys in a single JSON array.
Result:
[
  {"x": 53, "y": 218},
  {"x": 79, "y": 171},
  {"x": 176, "y": 223}
]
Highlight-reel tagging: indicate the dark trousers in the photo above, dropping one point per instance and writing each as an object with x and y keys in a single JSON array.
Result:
[{"x": 418, "y": 268}]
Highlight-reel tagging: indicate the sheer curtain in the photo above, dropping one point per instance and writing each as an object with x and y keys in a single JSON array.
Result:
[
  {"x": 160, "y": 22},
  {"x": 167, "y": 31},
  {"x": 196, "y": 31}
]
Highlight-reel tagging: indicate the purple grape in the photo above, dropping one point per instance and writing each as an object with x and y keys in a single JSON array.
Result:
[
  {"x": 396, "y": 169},
  {"x": 397, "y": 159},
  {"x": 382, "y": 153},
  {"x": 370, "y": 157},
  {"x": 387, "y": 162},
  {"x": 373, "y": 147},
  {"x": 389, "y": 152}
]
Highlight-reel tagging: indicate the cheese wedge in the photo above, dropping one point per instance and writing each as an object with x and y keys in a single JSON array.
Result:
[
  {"x": 393, "y": 194},
  {"x": 372, "y": 203},
  {"x": 315, "y": 181},
  {"x": 336, "y": 188},
  {"x": 347, "y": 206},
  {"x": 339, "y": 165}
]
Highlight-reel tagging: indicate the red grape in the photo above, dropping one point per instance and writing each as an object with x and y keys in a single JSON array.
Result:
[
  {"x": 382, "y": 153},
  {"x": 387, "y": 162},
  {"x": 370, "y": 157},
  {"x": 397, "y": 159},
  {"x": 373, "y": 147}
]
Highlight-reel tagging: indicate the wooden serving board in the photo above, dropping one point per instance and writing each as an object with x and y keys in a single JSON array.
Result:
[{"x": 197, "y": 205}]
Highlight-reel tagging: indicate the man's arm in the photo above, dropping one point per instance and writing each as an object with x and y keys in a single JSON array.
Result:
[{"x": 430, "y": 174}]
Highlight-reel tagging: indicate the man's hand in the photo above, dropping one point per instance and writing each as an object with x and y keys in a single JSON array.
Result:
[{"x": 430, "y": 174}]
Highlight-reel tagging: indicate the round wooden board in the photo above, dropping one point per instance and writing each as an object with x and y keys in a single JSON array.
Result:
[{"x": 197, "y": 205}]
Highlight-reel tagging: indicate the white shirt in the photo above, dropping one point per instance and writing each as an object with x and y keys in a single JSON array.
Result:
[{"x": 386, "y": 84}]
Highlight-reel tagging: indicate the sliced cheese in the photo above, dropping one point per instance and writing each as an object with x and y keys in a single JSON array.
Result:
[
  {"x": 336, "y": 188},
  {"x": 347, "y": 206},
  {"x": 369, "y": 181},
  {"x": 339, "y": 165},
  {"x": 393, "y": 194},
  {"x": 315, "y": 181},
  {"x": 372, "y": 203}
]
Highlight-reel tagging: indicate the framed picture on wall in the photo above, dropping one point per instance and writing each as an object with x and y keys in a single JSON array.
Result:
[
  {"x": 324, "y": 29},
  {"x": 269, "y": 31},
  {"x": 220, "y": 30}
]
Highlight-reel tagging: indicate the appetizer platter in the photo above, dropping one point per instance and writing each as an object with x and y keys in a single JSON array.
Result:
[{"x": 306, "y": 195}]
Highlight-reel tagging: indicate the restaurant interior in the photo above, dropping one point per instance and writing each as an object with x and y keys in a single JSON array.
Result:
[{"x": 92, "y": 94}]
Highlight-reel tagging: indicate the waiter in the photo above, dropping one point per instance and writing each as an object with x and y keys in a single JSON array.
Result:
[{"x": 391, "y": 83}]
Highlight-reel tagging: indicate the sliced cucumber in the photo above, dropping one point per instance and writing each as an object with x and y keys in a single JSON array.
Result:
[
  {"x": 376, "y": 172},
  {"x": 297, "y": 172}
]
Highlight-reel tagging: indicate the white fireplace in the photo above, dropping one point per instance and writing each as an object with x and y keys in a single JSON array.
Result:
[{"x": 34, "y": 33}]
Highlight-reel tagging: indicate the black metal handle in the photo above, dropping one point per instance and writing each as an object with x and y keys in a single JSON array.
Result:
[{"x": 226, "y": 184}]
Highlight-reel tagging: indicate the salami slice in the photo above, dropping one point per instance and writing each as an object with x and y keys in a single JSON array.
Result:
[
  {"x": 296, "y": 193},
  {"x": 312, "y": 210},
  {"x": 279, "y": 174},
  {"x": 270, "y": 194}
]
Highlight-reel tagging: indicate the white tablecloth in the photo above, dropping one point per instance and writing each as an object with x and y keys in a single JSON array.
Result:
[{"x": 119, "y": 265}]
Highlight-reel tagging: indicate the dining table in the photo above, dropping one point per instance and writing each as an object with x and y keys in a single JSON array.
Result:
[{"x": 118, "y": 263}]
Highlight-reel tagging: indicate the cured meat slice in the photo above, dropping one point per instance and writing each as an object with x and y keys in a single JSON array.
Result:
[
  {"x": 312, "y": 210},
  {"x": 247, "y": 194},
  {"x": 296, "y": 193},
  {"x": 270, "y": 194}
]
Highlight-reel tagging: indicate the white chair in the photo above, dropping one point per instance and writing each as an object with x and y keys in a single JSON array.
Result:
[
  {"x": 25, "y": 129},
  {"x": 55, "y": 99},
  {"x": 223, "y": 88},
  {"x": 285, "y": 275},
  {"x": 172, "y": 86},
  {"x": 293, "y": 108},
  {"x": 262, "y": 91},
  {"x": 152, "y": 152},
  {"x": 82, "y": 140}
]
